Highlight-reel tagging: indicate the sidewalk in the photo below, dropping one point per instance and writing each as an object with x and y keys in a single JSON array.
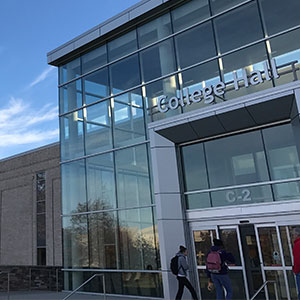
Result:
[{"x": 41, "y": 295}]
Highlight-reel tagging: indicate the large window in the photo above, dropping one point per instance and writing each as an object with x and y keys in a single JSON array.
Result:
[{"x": 257, "y": 158}]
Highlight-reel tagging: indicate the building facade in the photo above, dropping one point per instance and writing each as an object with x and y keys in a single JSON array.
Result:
[{"x": 179, "y": 122}]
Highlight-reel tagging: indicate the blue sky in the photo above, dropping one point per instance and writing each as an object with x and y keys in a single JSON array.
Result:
[{"x": 28, "y": 86}]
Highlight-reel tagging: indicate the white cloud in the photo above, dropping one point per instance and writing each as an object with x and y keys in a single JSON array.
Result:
[
  {"x": 42, "y": 76},
  {"x": 21, "y": 123}
]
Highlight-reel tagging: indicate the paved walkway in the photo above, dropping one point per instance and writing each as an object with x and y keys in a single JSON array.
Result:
[{"x": 41, "y": 295}]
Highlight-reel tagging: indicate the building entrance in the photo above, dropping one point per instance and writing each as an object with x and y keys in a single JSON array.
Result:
[{"x": 262, "y": 252}]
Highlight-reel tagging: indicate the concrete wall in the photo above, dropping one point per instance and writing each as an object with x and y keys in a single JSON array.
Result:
[{"x": 18, "y": 232}]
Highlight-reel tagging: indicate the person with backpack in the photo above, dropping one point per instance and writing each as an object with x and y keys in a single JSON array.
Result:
[
  {"x": 217, "y": 270},
  {"x": 179, "y": 267}
]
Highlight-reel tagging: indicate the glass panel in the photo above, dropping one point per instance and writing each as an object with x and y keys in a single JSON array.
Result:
[
  {"x": 286, "y": 191},
  {"x": 71, "y": 135},
  {"x": 167, "y": 88},
  {"x": 251, "y": 59},
  {"x": 284, "y": 49},
  {"x": 129, "y": 120},
  {"x": 233, "y": 30},
  {"x": 255, "y": 194},
  {"x": 281, "y": 152},
  {"x": 41, "y": 230},
  {"x": 102, "y": 240},
  {"x": 98, "y": 128},
  {"x": 121, "y": 283},
  {"x": 154, "y": 30},
  {"x": 238, "y": 285},
  {"x": 41, "y": 257},
  {"x": 190, "y": 13},
  {"x": 241, "y": 160},
  {"x": 70, "y": 96},
  {"x": 73, "y": 187},
  {"x": 100, "y": 182},
  {"x": 123, "y": 45},
  {"x": 137, "y": 242},
  {"x": 230, "y": 240},
  {"x": 125, "y": 74},
  {"x": 69, "y": 71},
  {"x": 280, "y": 15},
  {"x": 195, "y": 45},
  {"x": 75, "y": 237},
  {"x": 285, "y": 245},
  {"x": 158, "y": 60},
  {"x": 292, "y": 285},
  {"x": 133, "y": 182},
  {"x": 281, "y": 287},
  {"x": 205, "y": 293},
  {"x": 203, "y": 240},
  {"x": 218, "y": 6},
  {"x": 194, "y": 168},
  {"x": 269, "y": 246},
  {"x": 199, "y": 81},
  {"x": 96, "y": 86},
  {"x": 41, "y": 207},
  {"x": 194, "y": 201},
  {"x": 94, "y": 59}
]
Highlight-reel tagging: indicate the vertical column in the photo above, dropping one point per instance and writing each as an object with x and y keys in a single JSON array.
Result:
[{"x": 170, "y": 214}]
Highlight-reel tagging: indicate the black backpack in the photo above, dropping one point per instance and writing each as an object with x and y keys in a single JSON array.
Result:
[{"x": 174, "y": 265}]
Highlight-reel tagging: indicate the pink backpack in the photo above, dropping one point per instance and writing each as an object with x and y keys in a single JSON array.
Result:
[{"x": 214, "y": 262}]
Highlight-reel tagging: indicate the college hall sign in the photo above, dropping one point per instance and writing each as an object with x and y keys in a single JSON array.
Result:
[{"x": 208, "y": 93}]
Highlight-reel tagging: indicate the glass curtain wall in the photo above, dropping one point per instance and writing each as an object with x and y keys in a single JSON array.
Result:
[
  {"x": 109, "y": 94},
  {"x": 252, "y": 167}
]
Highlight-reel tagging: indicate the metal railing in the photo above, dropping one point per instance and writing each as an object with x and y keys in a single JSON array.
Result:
[
  {"x": 263, "y": 285},
  {"x": 87, "y": 281},
  {"x": 8, "y": 282}
]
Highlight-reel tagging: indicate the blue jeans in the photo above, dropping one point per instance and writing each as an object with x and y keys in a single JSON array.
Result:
[
  {"x": 221, "y": 281},
  {"x": 298, "y": 284}
]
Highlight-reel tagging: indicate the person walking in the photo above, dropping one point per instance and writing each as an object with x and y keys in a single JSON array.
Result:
[
  {"x": 296, "y": 255},
  {"x": 217, "y": 270},
  {"x": 182, "y": 274}
]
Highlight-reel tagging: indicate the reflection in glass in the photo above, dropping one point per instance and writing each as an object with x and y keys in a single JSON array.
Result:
[
  {"x": 71, "y": 135},
  {"x": 292, "y": 284},
  {"x": 280, "y": 15},
  {"x": 286, "y": 245},
  {"x": 125, "y": 74},
  {"x": 122, "y": 45},
  {"x": 233, "y": 28},
  {"x": 98, "y": 127},
  {"x": 190, "y": 13},
  {"x": 69, "y": 71},
  {"x": 154, "y": 30},
  {"x": 73, "y": 187},
  {"x": 242, "y": 160},
  {"x": 238, "y": 286},
  {"x": 100, "y": 182},
  {"x": 202, "y": 78},
  {"x": 75, "y": 236},
  {"x": 128, "y": 118},
  {"x": 218, "y": 6},
  {"x": 158, "y": 60},
  {"x": 102, "y": 240},
  {"x": 201, "y": 200},
  {"x": 281, "y": 287},
  {"x": 70, "y": 96},
  {"x": 230, "y": 240},
  {"x": 137, "y": 243},
  {"x": 133, "y": 183},
  {"x": 94, "y": 59},
  {"x": 269, "y": 246},
  {"x": 96, "y": 86},
  {"x": 194, "y": 168},
  {"x": 205, "y": 294},
  {"x": 190, "y": 45},
  {"x": 203, "y": 240},
  {"x": 284, "y": 49}
]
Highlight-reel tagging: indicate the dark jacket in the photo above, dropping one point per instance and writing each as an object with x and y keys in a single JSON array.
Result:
[
  {"x": 182, "y": 264},
  {"x": 296, "y": 254},
  {"x": 225, "y": 257}
]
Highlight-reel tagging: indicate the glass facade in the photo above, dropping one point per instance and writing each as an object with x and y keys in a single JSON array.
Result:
[
  {"x": 249, "y": 169},
  {"x": 110, "y": 94}
]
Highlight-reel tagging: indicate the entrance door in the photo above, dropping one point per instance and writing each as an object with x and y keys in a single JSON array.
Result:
[{"x": 262, "y": 252}]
